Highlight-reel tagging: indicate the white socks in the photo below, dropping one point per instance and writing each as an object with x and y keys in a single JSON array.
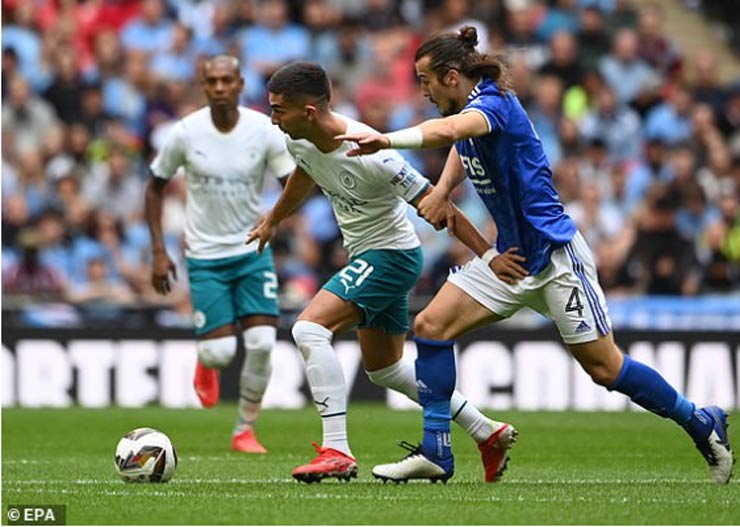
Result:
[
  {"x": 401, "y": 377},
  {"x": 258, "y": 342},
  {"x": 326, "y": 379}
]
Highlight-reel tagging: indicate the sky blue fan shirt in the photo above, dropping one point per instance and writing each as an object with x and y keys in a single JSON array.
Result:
[{"x": 510, "y": 172}]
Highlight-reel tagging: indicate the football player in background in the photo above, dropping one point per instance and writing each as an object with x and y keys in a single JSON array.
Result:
[
  {"x": 540, "y": 259},
  {"x": 225, "y": 151},
  {"x": 368, "y": 196}
]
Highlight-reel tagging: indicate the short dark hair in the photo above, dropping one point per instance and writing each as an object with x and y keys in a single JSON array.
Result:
[
  {"x": 301, "y": 79},
  {"x": 457, "y": 51}
]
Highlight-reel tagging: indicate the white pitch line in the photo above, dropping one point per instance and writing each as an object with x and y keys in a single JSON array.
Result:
[{"x": 354, "y": 497}]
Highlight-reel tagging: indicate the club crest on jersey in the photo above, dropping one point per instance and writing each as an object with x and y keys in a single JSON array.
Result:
[
  {"x": 347, "y": 180},
  {"x": 199, "y": 319}
]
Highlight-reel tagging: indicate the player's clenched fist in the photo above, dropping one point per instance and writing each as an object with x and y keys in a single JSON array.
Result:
[
  {"x": 264, "y": 231},
  {"x": 436, "y": 209},
  {"x": 162, "y": 266}
]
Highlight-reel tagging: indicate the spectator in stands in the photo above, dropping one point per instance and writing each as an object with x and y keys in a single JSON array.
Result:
[
  {"x": 623, "y": 69},
  {"x": 177, "y": 61},
  {"x": 92, "y": 115},
  {"x": 29, "y": 276},
  {"x": 563, "y": 61},
  {"x": 593, "y": 40},
  {"x": 653, "y": 168},
  {"x": 27, "y": 114},
  {"x": 30, "y": 181},
  {"x": 654, "y": 47},
  {"x": 124, "y": 97},
  {"x": 218, "y": 38},
  {"x": 616, "y": 124},
  {"x": 662, "y": 262},
  {"x": 598, "y": 220},
  {"x": 113, "y": 187},
  {"x": 706, "y": 85},
  {"x": 273, "y": 40},
  {"x": 520, "y": 33},
  {"x": 15, "y": 217},
  {"x": 723, "y": 238},
  {"x": 581, "y": 98},
  {"x": 21, "y": 36},
  {"x": 671, "y": 121},
  {"x": 53, "y": 245},
  {"x": 99, "y": 286},
  {"x": 729, "y": 123},
  {"x": 379, "y": 15},
  {"x": 622, "y": 14},
  {"x": 65, "y": 91},
  {"x": 560, "y": 18},
  {"x": 150, "y": 32},
  {"x": 545, "y": 114}
]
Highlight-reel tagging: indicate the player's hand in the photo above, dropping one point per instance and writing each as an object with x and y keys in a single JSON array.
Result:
[
  {"x": 162, "y": 268},
  {"x": 436, "y": 209},
  {"x": 264, "y": 231},
  {"x": 507, "y": 266},
  {"x": 367, "y": 143}
]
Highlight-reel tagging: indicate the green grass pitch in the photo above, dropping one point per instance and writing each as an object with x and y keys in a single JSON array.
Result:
[{"x": 567, "y": 468}]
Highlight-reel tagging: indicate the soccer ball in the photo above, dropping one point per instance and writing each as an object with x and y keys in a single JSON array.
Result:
[{"x": 145, "y": 455}]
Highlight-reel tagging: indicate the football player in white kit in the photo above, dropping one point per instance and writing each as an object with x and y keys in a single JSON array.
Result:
[
  {"x": 225, "y": 151},
  {"x": 368, "y": 196}
]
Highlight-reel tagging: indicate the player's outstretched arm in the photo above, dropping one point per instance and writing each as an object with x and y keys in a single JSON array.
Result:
[
  {"x": 434, "y": 133},
  {"x": 297, "y": 189},
  {"x": 162, "y": 266}
]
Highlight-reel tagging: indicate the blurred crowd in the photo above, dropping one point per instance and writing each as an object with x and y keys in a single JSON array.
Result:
[{"x": 643, "y": 138}]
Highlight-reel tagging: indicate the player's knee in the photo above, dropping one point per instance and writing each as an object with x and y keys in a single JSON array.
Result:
[
  {"x": 259, "y": 341},
  {"x": 602, "y": 374},
  {"x": 216, "y": 353},
  {"x": 426, "y": 327},
  {"x": 308, "y": 335}
]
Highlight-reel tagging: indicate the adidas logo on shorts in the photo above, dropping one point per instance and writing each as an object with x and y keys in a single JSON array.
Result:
[{"x": 583, "y": 326}]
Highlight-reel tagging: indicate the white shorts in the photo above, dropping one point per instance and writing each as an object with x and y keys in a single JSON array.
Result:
[{"x": 567, "y": 291}]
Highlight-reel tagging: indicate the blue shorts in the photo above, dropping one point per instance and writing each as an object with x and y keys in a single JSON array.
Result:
[
  {"x": 224, "y": 290},
  {"x": 378, "y": 281}
]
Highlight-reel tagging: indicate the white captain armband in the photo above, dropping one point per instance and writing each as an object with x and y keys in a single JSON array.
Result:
[
  {"x": 489, "y": 255},
  {"x": 406, "y": 138}
]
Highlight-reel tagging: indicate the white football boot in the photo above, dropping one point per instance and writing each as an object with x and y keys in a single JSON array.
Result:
[{"x": 414, "y": 466}]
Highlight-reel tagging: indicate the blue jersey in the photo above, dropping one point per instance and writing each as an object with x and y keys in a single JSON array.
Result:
[{"x": 510, "y": 172}]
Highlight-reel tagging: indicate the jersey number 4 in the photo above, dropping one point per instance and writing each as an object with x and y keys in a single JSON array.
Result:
[{"x": 574, "y": 303}]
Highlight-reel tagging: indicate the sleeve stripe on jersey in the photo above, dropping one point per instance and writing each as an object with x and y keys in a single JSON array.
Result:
[
  {"x": 420, "y": 193},
  {"x": 488, "y": 123}
]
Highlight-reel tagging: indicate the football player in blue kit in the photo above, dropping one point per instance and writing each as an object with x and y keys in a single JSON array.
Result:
[{"x": 539, "y": 260}]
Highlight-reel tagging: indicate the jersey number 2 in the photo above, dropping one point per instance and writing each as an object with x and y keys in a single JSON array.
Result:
[
  {"x": 269, "y": 288},
  {"x": 574, "y": 303}
]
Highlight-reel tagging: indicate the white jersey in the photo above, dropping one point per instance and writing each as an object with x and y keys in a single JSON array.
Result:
[
  {"x": 367, "y": 193},
  {"x": 225, "y": 174}
]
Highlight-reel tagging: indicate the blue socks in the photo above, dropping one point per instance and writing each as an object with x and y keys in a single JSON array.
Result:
[
  {"x": 649, "y": 389},
  {"x": 435, "y": 383}
]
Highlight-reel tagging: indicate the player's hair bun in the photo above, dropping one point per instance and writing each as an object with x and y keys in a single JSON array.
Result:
[{"x": 469, "y": 37}]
